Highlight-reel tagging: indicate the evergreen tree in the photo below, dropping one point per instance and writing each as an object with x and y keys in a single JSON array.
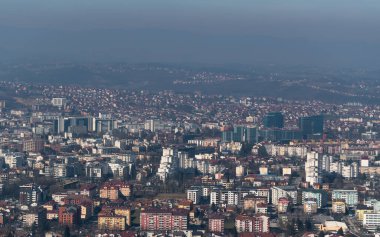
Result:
[
  {"x": 262, "y": 152},
  {"x": 308, "y": 225},
  {"x": 290, "y": 229},
  {"x": 34, "y": 228},
  {"x": 300, "y": 225},
  {"x": 66, "y": 233},
  {"x": 214, "y": 207},
  {"x": 340, "y": 232}
]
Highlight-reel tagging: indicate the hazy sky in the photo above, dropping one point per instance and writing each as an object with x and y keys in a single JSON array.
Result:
[{"x": 323, "y": 32}]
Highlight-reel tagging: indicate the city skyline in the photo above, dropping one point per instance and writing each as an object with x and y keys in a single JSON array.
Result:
[{"x": 198, "y": 118}]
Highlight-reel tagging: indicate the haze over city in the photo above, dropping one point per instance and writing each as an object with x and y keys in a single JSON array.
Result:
[
  {"x": 312, "y": 33},
  {"x": 197, "y": 118}
]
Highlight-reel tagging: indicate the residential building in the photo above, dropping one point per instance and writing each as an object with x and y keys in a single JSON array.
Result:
[
  {"x": 371, "y": 221},
  {"x": 36, "y": 216},
  {"x": 69, "y": 215},
  {"x": 245, "y": 223},
  {"x": 31, "y": 193},
  {"x": 313, "y": 168},
  {"x": 216, "y": 223},
  {"x": 282, "y": 205},
  {"x": 338, "y": 206},
  {"x": 349, "y": 196},
  {"x": 194, "y": 195},
  {"x": 163, "y": 219},
  {"x": 289, "y": 192},
  {"x": 108, "y": 220},
  {"x": 310, "y": 205},
  {"x": 320, "y": 196}
]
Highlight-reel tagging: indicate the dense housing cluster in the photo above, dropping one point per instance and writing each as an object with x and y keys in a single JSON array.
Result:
[{"x": 108, "y": 162}]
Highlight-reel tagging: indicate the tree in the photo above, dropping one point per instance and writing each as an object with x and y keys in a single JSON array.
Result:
[
  {"x": 338, "y": 182},
  {"x": 340, "y": 232},
  {"x": 246, "y": 149},
  {"x": 308, "y": 225},
  {"x": 214, "y": 207},
  {"x": 290, "y": 229},
  {"x": 232, "y": 232},
  {"x": 262, "y": 152},
  {"x": 362, "y": 176},
  {"x": 66, "y": 233},
  {"x": 34, "y": 228},
  {"x": 300, "y": 225}
]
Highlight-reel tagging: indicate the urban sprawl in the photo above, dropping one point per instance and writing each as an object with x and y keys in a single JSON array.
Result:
[{"x": 79, "y": 161}]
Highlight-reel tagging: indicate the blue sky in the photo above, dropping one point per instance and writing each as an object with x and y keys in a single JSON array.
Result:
[{"x": 336, "y": 32}]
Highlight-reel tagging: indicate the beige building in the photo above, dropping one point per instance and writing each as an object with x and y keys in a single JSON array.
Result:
[
  {"x": 334, "y": 226},
  {"x": 310, "y": 206},
  {"x": 124, "y": 211},
  {"x": 263, "y": 170},
  {"x": 250, "y": 201},
  {"x": 110, "y": 221},
  {"x": 286, "y": 171},
  {"x": 36, "y": 216},
  {"x": 240, "y": 170},
  {"x": 111, "y": 192},
  {"x": 52, "y": 215},
  {"x": 261, "y": 208},
  {"x": 361, "y": 210},
  {"x": 338, "y": 206},
  {"x": 370, "y": 170},
  {"x": 282, "y": 205},
  {"x": 126, "y": 190}
]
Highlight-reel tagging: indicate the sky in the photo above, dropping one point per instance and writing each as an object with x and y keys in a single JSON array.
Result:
[{"x": 294, "y": 32}]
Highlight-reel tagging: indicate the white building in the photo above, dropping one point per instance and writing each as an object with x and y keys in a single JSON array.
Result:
[
  {"x": 289, "y": 192},
  {"x": 206, "y": 191},
  {"x": 194, "y": 195},
  {"x": 313, "y": 167},
  {"x": 371, "y": 221},
  {"x": 151, "y": 124},
  {"x": 118, "y": 170},
  {"x": 62, "y": 171},
  {"x": 240, "y": 171},
  {"x": 230, "y": 197},
  {"x": 96, "y": 169},
  {"x": 261, "y": 192},
  {"x": 59, "y": 102},
  {"x": 348, "y": 171},
  {"x": 252, "y": 224},
  {"x": 14, "y": 160},
  {"x": 287, "y": 150},
  {"x": 204, "y": 167},
  {"x": 320, "y": 197},
  {"x": 168, "y": 164},
  {"x": 215, "y": 196},
  {"x": 326, "y": 160},
  {"x": 186, "y": 162},
  {"x": 349, "y": 196}
]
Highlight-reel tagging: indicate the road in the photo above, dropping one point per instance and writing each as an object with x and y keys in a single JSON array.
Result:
[{"x": 355, "y": 228}]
